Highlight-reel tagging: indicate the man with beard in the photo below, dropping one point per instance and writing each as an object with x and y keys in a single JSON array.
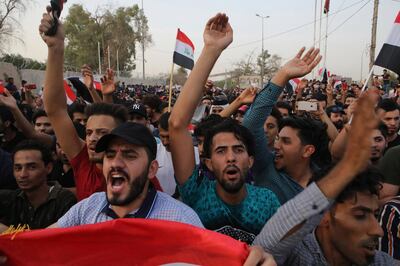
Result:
[
  {"x": 128, "y": 165},
  {"x": 227, "y": 204},
  {"x": 379, "y": 143},
  {"x": 333, "y": 221},
  {"x": 336, "y": 115},
  {"x": 391, "y": 118},
  {"x": 102, "y": 118}
]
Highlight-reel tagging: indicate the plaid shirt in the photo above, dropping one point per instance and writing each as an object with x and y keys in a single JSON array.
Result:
[{"x": 157, "y": 205}]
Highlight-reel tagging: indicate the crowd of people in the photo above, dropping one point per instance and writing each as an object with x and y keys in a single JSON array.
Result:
[{"x": 310, "y": 175}]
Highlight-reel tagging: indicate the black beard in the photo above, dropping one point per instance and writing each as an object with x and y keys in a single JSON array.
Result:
[
  {"x": 339, "y": 125},
  {"x": 135, "y": 189},
  {"x": 234, "y": 188}
]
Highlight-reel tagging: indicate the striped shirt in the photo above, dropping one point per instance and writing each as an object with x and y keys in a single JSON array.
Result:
[
  {"x": 301, "y": 248},
  {"x": 390, "y": 223},
  {"x": 157, "y": 205}
]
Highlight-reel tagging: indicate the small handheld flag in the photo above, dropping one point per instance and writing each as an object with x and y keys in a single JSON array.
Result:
[{"x": 184, "y": 51}]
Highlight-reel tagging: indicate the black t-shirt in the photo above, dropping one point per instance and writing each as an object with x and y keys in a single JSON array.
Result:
[
  {"x": 393, "y": 143},
  {"x": 66, "y": 179}
]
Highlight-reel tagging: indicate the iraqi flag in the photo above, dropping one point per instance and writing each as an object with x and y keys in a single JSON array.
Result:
[
  {"x": 184, "y": 51},
  {"x": 291, "y": 86},
  {"x": 123, "y": 242},
  {"x": 324, "y": 74},
  {"x": 69, "y": 93},
  {"x": 389, "y": 56},
  {"x": 326, "y": 7},
  {"x": 2, "y": 87}
]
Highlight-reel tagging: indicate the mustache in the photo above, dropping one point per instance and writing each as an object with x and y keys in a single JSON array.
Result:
[
  {"x": 119, "y": 171},
  {"x": 231, "y": 167}
]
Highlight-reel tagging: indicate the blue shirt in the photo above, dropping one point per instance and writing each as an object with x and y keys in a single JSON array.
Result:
[
  {"x": 264, "y": 171},
  {"x": 157, "y": 205},
  {"x": 242, "y": 221}
]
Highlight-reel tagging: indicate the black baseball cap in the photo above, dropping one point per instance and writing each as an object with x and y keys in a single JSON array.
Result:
[
  {"x": 335, "y": 109},
  {"x": 132, "y": 133},
  {"x": 137, "y": 108}
]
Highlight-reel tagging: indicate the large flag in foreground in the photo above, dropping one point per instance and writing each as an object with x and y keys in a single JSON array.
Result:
[
  {"x": 389, "y": 56},
  {"x": 184, "y": 51},
  {"x": 123, "y": 242}
]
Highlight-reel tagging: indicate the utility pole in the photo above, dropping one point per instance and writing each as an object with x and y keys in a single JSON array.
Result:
[
  {"x": 142, "y": 30},
  {"x": 373, "y": 35},
  {"x": 262, "y": 49}
]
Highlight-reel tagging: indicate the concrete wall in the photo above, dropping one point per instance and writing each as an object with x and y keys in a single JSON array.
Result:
[{"x": 37, "y": 76}]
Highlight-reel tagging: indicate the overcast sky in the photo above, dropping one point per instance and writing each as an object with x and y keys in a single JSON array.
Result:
[{"x": 349, "y": 27}]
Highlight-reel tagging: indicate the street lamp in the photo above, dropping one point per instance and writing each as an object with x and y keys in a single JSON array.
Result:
[{"x": 262, "y": 47}]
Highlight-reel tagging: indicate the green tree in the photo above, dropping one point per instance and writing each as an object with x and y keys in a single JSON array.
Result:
[
  {"x": 9, "y": 24},
  {"x": 271, "y": 63},
  {"x": 179, "y": 77},
  {"x": 117, "y": 30},
  {"x": 21, "y": 62}
]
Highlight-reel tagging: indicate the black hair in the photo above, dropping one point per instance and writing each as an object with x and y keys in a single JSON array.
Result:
[
  {"x": 37, "y": 114},
  {"x": 383, "y": 129},
  {"x": 118, "y": 112},
  {"x": 164, "y": 105},
  {"x": 153, "y": 101},
  {"x": 311, "y": 132},
  {"x": 163, "y": 121},
  {"x": 388, "y": 105},
  {"x": 277, "y": 115},
  {"x": 6, "y": 115},
  {"x": 207, "y": 123},
  {"x": 229, "y": 125},
  {"x": 30, "y": 144},
  {"x": 367, "y": 181},
  {"x": 284, "y": 105},
  {"x": 76, "y": 107}
]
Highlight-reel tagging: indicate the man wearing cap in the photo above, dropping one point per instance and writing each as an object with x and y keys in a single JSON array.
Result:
[
  {"x": 138, "y": 114},
  {"x": 128, "y": 165},
  {"x": 336, "y": 115}
]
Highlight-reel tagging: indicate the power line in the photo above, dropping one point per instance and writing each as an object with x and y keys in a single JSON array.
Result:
[{"x": 295, "y": 28}]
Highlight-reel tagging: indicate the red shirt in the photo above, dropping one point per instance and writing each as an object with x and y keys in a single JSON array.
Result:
[{"x": 88, "y": 178}]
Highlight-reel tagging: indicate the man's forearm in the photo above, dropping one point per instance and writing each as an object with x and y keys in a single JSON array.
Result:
[
  {"x": 192, "y": 91},
  {"x": 54, "y": 95},
  {"x": 232, "y": 107}
]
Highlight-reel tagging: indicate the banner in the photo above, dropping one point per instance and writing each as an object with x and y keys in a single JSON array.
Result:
[{"x": 123, "y": 242}]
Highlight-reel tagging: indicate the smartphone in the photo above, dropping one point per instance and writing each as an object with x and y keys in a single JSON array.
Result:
[
  {"x": 30, "y": 86},
  {"x": 307, "y": 106}
]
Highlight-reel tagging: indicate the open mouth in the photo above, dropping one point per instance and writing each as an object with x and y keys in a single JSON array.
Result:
[
  {"x": 232, "y": 171},
  {"x": 117, "y": 181}
]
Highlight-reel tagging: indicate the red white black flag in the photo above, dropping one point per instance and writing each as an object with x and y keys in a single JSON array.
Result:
[
  {"x": 184, "y": 51},
  {"x": 326, "y": 7},
  {"x": 389, "y": 56}
]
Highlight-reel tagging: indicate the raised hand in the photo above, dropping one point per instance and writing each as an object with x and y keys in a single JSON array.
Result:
[
  {"x": 8, "y": 100},
  {"x": 87, "y": 75},
  {"x": 301, "y": 64},
  {"x": 107, "y": 83},
  {"x": 248, "y": 96},
  {"x": 365, "y": 120},
  {"x": 45, "y": 25},
  {"x": 218, "y": 32}
]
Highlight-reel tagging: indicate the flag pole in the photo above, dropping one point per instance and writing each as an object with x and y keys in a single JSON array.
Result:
[
  {"x": 315, "y": 32},
  {"x": 170, "y": 87},
  {"x": 367, "y": 80},
  {"x": 363, "y": 88},
  {"x": 326, "y": 38},
  {"x": 98, "y": 51}
]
